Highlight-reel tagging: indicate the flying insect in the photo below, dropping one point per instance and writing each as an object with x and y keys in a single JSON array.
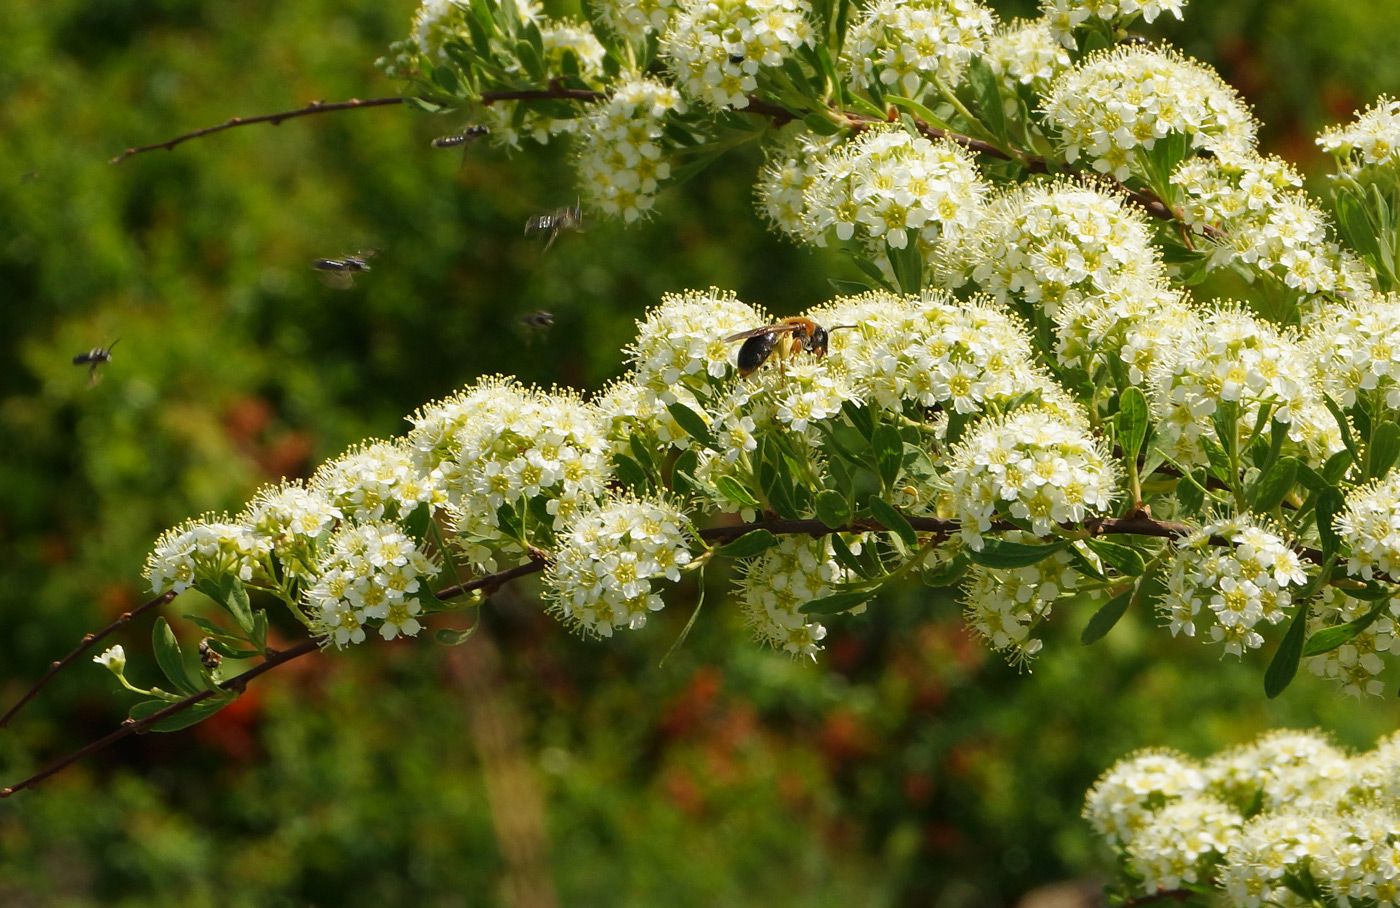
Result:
[
  {"x": 555, "y": 221},
  {"x": 340, "y": 273},
  {"x": 465, "y": 136},
  {"x": 787, "y": 336},
  {"x": 94, "y": 358},
  {"x": 538, "y": 320}
]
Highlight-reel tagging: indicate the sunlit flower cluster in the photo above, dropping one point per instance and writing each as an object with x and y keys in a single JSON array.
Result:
[
  {"x": 291, "y": 518},
  {"x": 1372, "y": 139},
  {"x": 1122, "y": 801},
  {"x": 1232, "y": 356},
  {"x": 1024, "y": 53},
  {"x": 1357, "y": 664},
  {"x": 908, "y": 47},
  {"x": 1122, "y": 100},
  {"x": 371, "y": 481},
  {"x": 1066, "y": 15},
  {"x": 1049, "y": 244},
  {"x": 205, "y": 549},
  {"x": 680, "y": 353},
  {"x": 1357, "y": 350},
  {"x": 1370, "y": 527},
  {"x": 793, "y": 167},
  {"x": 716, "y": 48},
  {"x": 600, "y": 578},
  {"x": 619, "y": 150},
  {"x": 1130, "y": 321},
  {"x": 787, "y": 576},
  {"x": 931, "y": 350},
  {"x": 635, "y": 20},
  {"x": 371, "y": 573},
  {"x": 1031, "y": 464},
  {"x": 1006, "y": 606},
  {"x": 1316, "y": 815},
  {"x": 886, "y": 181},
  {"x": 1242, "y": 584}
]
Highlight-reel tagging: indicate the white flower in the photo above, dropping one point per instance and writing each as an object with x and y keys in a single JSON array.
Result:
[
  {"x": 1120, "y": 804},
  {"x": 635, "y": 20},
  {"x": 1117, "y": 102},
  {"x": 114, "y": 660},
  {"x": 906, "y": 46},
  {"x": 680, "y": 353},
  {"x": 619, "y": 152},
  {"x": 1373, "y": 139},
  {"x": 1357, "y": 663},
  {"x": 1025, "y": 53},
  {"x": 1004, "y": 607},
  {"x": 1241, "y": 584},
  {"x": 507, "y": 124},
  {"x": 369, "y": 482},
  {"x": 370, "y": 572},
  {"x": 205, "y": 549},
  {"x": 793, "y": 167},
  {"x": 1064, "y": 16},
  {"x": 780, "y": 581},
  {"x": 601, "y": 576},
  {"x": 1183, "y": 843},
  {"x": 1356, "y": 351},
  {"x": 716, "y": 49},
  {"x": 1370, "y": 527}
]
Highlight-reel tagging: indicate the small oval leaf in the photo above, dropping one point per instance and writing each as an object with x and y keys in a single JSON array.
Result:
[
  {"x": 1132, "y": 421},
  {"x": 748, "y": 545},
  {"x": 893, "y": 521},
  {"x": 693, "y": 424},
  {"x": 1274, "y": 485},
  {"x": 836, "y": 603},
  {"x": 997, "y": 553},
  {"x": 1106, "y": 617}
]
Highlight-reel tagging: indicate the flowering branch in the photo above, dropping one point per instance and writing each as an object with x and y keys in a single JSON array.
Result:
[
  {"x": 88, "y": 641},
  {"x": 315, "y": 107},
  {"x": 137, "y": 726}
]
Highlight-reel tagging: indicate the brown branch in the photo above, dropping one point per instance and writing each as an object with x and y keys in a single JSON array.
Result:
[
  {"x": 555, "y": 92},
  {"x": 315, "y": 107},
  {"x": 87, "y": 642},
  {"x": 136, "y": 726}
]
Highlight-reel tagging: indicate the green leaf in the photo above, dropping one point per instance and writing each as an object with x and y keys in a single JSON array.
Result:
[
  {"x": 859, "y": 416},
  {"x": 848, "y": 288},
  {"x": 920, "y": 111},
  {"x": 1344, "y": 426},
  {"x": 847, "y": 558},
  {"x": 1382, "y": 450},
  {"x": 1219, "y": 460},
  {"x": 832, "y": 508},
  {"x": 629, "y": 472},
  {"x": 693, "y": 424},
  {"x": 821, "y": 124},
  {"x": 1284, "y": 665},
  {"x": 1336, "y": 467},
  {"x": 1190, "y": 492},
  {"x": 452, "y": 636},
  {"x": 1106, "y": 617},
  {"x": 1225, "y": 421},
  {"x": 1330, "y": 503},
  {"x": 836, "y": 603},
  {"x": 424, "y": 105},
  {"x": 997, "y": 553},
  {"x": 775, "y": 479},
  {"x": 212, "y": 629},
  {"x": 236, "y": 601},
  {"x": 957, "y": 424},
  {"x": 1329, "y": 638},
  {"x": 889, "y": 453},
  {"x": 1272, "y": 486},
  {"x": 169, "y": 658},
  {"x": 259, "y": 635},
  {"x": 947, "y": 573},
  {"x": 892, "y": 520},
  {"x": 748, "y": 545},
  {"x": 185, "y": 718},
  {"x": 730, "y": 488},
  {"x": 907, "y": 262},
  {"x": 1123, "y": 558},
  {"x": 1083, "y": 564},
  {"x": 987, "y": 89},
  {"x": 230, "y": 652},
  {"x": 1310, "y": 479},
  {"x": 1132, "y": 422}
]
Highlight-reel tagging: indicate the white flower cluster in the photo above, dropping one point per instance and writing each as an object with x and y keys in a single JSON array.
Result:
[
  {"x": 716, "y": 48},
  {"x": 1370, "y": 527},
  {"x": 437, "y": 21},
  {"x": 1357, "y": 349},
  {"x": 909, "y": 47},
  {"x": 1005, "y": 606},
  {"x": 635, "y": 20},
  {"x": 1357, "y": 663},
  {"x": 1032, "y": 464},
  {"x": 618, "y": 155},
  {"x": 1252, "y": 210},
  {"x": 205, "y": 549},
  {"x": 1373, "y": 139},
  {"x": 1242, "y": 583},
  {"x": 792, "y": 169},
  {"x": 1050, "y": 244},
  {"x": 380, "y": 479},
  {"x": 780, "y": 581},
  {"x": 680, "y": 353},
  {"x": 931, "y": 350},
  {"x": 1317, "y": 813},
  {"x": 499, "y": 444},
  {"x": 1064, "y": 16},
  {"x": 1230, "y": 355},
  {"x": 1134, "y": 321},
  {"x": 372, "y": 571},
  {"x": 600, "y": 578},
  {"x": 293, "y": 519},
  {"x": 509, "y": 121},
  {"x": 886, "y": 181},
  {"x": 1118, "y": 101},
  {"x": 1024, "y": 53}
]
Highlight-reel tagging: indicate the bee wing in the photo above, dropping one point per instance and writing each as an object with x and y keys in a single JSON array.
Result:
[
  {"x": 339, "y": 280},
  {"x": 759, "y": 332}
]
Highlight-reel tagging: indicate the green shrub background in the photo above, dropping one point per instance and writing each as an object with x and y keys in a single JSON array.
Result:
[{"x": 528, "y": 767}]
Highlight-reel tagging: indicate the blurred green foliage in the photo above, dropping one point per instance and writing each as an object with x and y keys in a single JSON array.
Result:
[{"x": 526, "y": 767}]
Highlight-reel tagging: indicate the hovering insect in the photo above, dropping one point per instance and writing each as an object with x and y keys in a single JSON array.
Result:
[
  {"x": 94, "y": 358},
  {"x": 538, "y": 320},
  {"x": 340, "y": 273},
  {"x": 555, "y": 221},
  {"x": 788, "y": 336},
  {"x": 466, "y": 135}
]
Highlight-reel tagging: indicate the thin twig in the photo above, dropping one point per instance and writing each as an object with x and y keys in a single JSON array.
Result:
[
  {"x": 135, "y": 726},
  {"x": 87, "y": 642},
  {"x": 315, "y": 107},
  {"x": 555, "y": 92}
]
